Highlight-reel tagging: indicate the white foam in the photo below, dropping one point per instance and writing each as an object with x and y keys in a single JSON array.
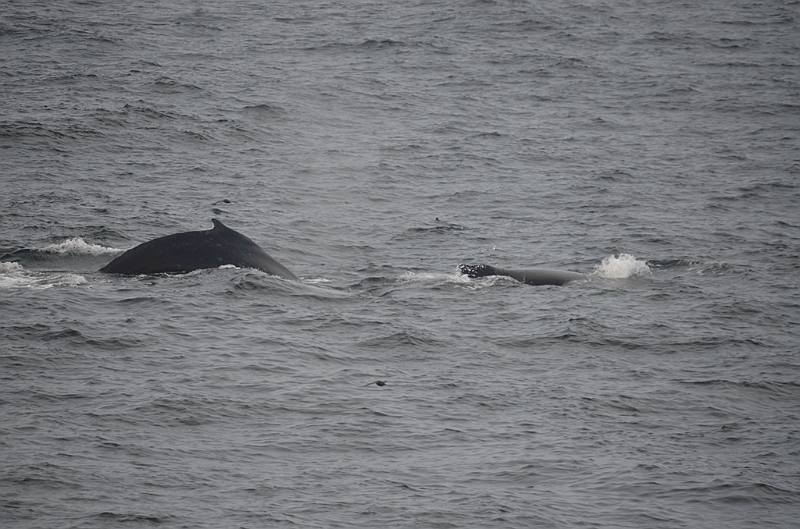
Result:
[
  {"x": 413, "y": 277},
  {"x": 12, "y": 276},
  {"x": 77, "y": 246},
  {"x": 621, "y": 266},
  {"x": 435, "y": 279},
  {"x": 431, "y": 277},
  {"x": 316, "y": 280}
]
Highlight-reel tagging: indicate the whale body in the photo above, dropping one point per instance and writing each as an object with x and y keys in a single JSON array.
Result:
[
  {"x": 195, "y": 250},
  {"x": 531, "y": 276}
]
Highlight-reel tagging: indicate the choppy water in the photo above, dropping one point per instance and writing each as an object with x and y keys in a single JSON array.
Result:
[{"x": 371, "y": 148}]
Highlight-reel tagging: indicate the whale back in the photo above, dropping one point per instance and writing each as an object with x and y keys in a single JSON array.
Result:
[
  {"x": 530, "y": 276},
  {"x": 195, "y": 250}
]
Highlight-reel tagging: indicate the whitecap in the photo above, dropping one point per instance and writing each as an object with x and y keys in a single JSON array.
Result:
[
  {"x": 13, "y": 275},
  {"x": 77, "y": 246}
]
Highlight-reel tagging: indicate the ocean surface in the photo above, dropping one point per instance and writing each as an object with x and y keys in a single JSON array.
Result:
[{"x": 371, "y": 148}]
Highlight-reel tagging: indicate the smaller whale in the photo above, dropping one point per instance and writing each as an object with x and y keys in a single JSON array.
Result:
[
  {"x": 195, "y": 250},
  {"x": 531, "y": 276}
]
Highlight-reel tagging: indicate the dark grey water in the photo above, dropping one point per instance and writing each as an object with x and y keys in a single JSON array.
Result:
[{"x": 371, "y": 148}]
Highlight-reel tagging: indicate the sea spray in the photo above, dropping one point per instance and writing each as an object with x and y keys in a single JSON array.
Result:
[{"x": 621, "y": 266}]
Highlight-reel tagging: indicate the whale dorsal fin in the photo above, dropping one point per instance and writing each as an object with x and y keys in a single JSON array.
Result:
[{"x": 218, "y": 225}]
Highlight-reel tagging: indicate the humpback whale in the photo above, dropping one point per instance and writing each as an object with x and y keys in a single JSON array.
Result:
[
  {"x": 194, "y": 250},
  {"x": 531, "y": 276}
]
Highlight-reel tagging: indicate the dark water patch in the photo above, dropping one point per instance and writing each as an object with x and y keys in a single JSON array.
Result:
[
  {"x": 176, "y": 411},
  {"x": 400, "y": 340},
  {"x": 265, "y": 110},
  {"x": 167, "y": 85},
  {"x": 73, "y": 337},
  {"x": 379, "y": 44},
  {"x": 742, "y": 494},
  {"x": 49, "y": 482},
  {"x": 68, "y": 337},
  {"x": 770, "y": 388},
  {"x": 148, "y": 112},
  {"x": 144, "y": 301},
  {"x": 414, "y": 233},
  {"x": 132, "y": 518},
  {"x": 22, "y": 131}
]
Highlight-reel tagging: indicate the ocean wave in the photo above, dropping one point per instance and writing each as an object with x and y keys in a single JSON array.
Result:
[
  {"x": 13, "y": 275},
  {"x": 77, "y": 246}
]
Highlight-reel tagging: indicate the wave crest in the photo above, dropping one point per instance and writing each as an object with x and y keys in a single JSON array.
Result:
[
  {"x": 13, "y": 275},
  {"x": 77, "y": 246}
]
